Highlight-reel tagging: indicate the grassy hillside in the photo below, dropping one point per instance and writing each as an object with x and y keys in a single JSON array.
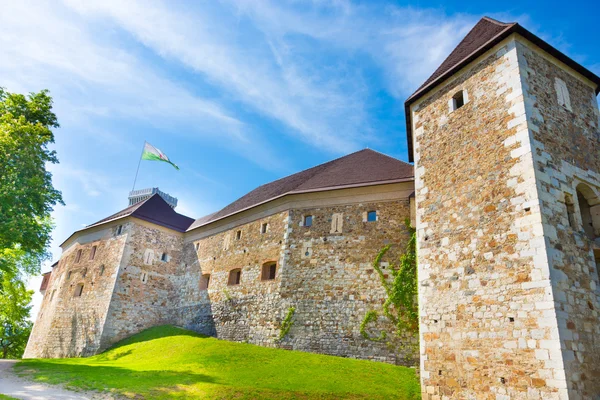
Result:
[{"x": 168, "y": 362}]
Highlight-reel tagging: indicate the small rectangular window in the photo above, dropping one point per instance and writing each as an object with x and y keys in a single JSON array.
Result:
[
  {"x": 372, "y": 216},
  {"x": 238, "y": 235},
  {"x": 269, "y": 271},
  {"x": 204, "y": 281},
  {"x": 197, "y": 246},
  {"x": 93, "y": 252},
  {"x": 308, "y": 220},
  {"x": 164, "y": 257},
  {"x": 68, "y": 275},
  {"x": 119, "y": 229},
  {"x": 264, "y": 227},
  {"x": 79, "y": 290},
  {"x": 52, "y": 295},
  {"x": 144, "y": 277},
  {"x": 78, "y": 256},
  {"x": 235, "y": 277},
  {"x": 101, "y": 272}
]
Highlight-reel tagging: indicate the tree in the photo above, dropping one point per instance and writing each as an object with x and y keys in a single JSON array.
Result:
[
  {"x": 15, "y": 326},
  {"x": 27, "y": 196}
]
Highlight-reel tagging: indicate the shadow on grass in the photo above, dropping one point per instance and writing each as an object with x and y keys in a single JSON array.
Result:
[
  {"x": 102, "y": 378},
  {"x": 157, "y": 332}
]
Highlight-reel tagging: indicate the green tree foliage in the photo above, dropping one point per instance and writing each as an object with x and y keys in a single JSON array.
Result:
[
  {"x": 401, "y": 306},
  {"x": 27, "y": 196},
  {"x": 15, "y": 326}
]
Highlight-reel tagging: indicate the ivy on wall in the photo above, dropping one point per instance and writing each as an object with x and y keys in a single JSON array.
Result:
[
  {"x": 401, "y": 306},
  {"x": 287, "y": 323}
]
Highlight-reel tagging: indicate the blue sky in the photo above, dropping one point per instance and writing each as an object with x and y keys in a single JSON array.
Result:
[{"x": 237, "y": 93}]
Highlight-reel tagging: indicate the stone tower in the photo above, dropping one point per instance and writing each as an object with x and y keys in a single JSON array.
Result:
[{"x": 506, "y": 143}]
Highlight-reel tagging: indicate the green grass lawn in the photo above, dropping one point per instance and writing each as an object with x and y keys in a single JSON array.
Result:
[
  {"x": 5, "y": 397},
  {"x": 167, "y": 362}
]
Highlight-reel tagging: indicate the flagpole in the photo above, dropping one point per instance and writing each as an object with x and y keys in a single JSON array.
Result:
[{"x": 138, "y": 167}]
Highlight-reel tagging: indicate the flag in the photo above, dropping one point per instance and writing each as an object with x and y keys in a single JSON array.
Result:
[{"x": 154, "y": 154}]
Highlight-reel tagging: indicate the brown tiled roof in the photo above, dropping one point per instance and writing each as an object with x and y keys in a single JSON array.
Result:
[
  {"x": 365, "y": 167},
  {"x": 485, "y": 34},
  {"x": 154, "y": 209}
]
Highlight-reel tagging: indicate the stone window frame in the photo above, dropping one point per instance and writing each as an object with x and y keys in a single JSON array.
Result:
[
  {"x": 238, "y": 234},
  {"x": 119, "y": 229},
  {"x": 264, "y": 228},
  {"x": 232, "y": 279},
  {"x": 563, "y": 97},
  {"x": 78, "y": 290},
  {"x": 265, "y": 274},
  {"x": 204, "y": 281},
  {"x": 571, "y": 213},
  {"x": 164, "y": 257},
  {"x": 587, "y": 194},
  {"x": 78, "y": 256},
  {"x": 308, "y": 220},
  {"x": 93, "y": 252},
  {"x": 458, "y": 100},
  {"x": 144, "y": 276}
]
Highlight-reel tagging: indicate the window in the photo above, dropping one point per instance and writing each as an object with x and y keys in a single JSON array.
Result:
[
  {"x": 238, "y": 235},
  {"x": 308, "y": 219},
  {"x": 144, "y": 277},
  {"x": 164, "y": 257},
  {"x": 79, "y": 290},
  {"x": 458, "y": 100},
  {"x": 264, "y": 227},
  {"x": 52, "y": 295},
  {"x": 119, "y": 229},
  {"x": 93, "y": 252},
  {"x": 235, "y": 277},
  {"x": 101, "y": 272},
  {"x": 84, "y": 272},
  {"x": 197, "y": 246},
  {"x": 68, "y": 275},
  {"x": 204, "y": 281},
  {"x": 269, "y": 270},
  {"x": 78, "y": 256},
  {"x": 589, "y": 211},
  {"x": 597, "y": 258},
  {"x": 562, "y": 94},
  {"x": 372, "y": 216}
]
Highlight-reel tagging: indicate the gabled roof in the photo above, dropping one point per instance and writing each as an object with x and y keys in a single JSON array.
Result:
[
  {"x": 485, "y": 34},
  {"x": 154, "y": 209},
  {"x": 363, "y": 168}
]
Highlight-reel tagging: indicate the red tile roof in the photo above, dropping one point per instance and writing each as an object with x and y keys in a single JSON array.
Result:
[
  {"x": 365, "y": 167},
  {"x": 485, "y": 34}
]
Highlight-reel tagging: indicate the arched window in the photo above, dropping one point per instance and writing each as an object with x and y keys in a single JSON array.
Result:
[
  {"x": 269, "y": 271},
  {"x": 589, "y": 209},
  {"x": 235, "y": 277}
]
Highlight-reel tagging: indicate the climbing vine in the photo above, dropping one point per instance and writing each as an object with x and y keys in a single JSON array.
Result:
[
  {"x": 401, "y": 306},
  {"x": 287, "y": 323}
]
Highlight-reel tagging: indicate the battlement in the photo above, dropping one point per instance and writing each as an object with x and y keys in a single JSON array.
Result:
[{"x": 135, "y": 196}]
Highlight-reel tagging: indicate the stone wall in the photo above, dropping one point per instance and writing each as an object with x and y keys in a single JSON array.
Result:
[
  {"x": 488, "y": 323},
  {"x": 69, "y": 325},
  {"x": 144, "y": 293},
  {"x": 566, "y": 152},
  {"x": 331, "y": 288}
]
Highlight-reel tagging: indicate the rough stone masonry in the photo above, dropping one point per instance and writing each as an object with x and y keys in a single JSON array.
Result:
[{"x": 505, "y": 195}]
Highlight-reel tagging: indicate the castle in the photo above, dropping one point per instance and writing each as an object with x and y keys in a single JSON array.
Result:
[{"x": 505, "y": 196}]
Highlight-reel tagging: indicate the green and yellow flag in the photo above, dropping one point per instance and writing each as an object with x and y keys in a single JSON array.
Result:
[{"x": 154, "y": 154}]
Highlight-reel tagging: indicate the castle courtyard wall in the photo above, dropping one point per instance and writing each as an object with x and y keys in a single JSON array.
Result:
[{"x": 566, "y": 152}]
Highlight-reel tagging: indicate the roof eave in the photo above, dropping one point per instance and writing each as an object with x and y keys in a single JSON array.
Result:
[
  {"x": 293, "y": 192},
  {"x": 515, "y": 28}
]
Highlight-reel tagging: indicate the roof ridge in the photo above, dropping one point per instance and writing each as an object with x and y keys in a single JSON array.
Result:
[
  {"x": 387, "y": 155},
  {"x": 495, "y": 21}
]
